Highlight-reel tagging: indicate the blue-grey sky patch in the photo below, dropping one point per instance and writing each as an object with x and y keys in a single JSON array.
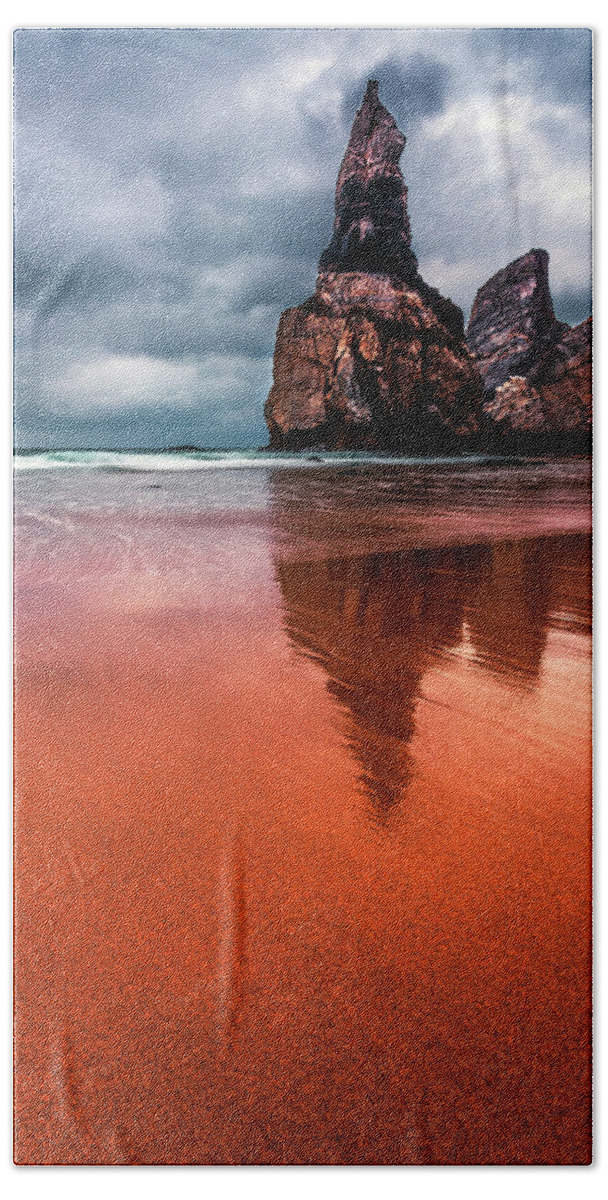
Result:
[
  {"x": 174, "y": 190},
  {"x": 411, "y": 88}
]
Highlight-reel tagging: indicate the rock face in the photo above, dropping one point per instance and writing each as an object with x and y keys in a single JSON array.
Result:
[
  {"x": 371, "y": 229},
  {"x": 512, "y": 320},
  {"x": 376, "y": 358},
  {"x": 536, "y": 369},
  {"x": 564, "y": 379},
  {"x": 517, "y": 406}
]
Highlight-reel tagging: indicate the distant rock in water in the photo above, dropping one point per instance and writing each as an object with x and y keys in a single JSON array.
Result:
[
  {"x": 376, "y": 359},
  {"x": 536, "y": 369}
]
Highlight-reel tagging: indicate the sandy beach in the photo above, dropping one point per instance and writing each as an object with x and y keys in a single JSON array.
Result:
[{"x": 303, "y": 815}]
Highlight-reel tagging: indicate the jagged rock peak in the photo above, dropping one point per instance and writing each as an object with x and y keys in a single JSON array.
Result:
[
  {"x": 536, "y": 370},
  {"x": 375, "y": 144},
  {"x": 377, "y": 357},
  {"x": 512, "y": 320},
  {"x": 371, "y": 226}
]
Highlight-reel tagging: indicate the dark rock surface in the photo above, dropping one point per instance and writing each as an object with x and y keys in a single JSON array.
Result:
[
  {"x": 376, "y": 358},
  {"x": 563, "y": 377},
  {"x": 536, "y": 369},
  {"x": 371, "y": 227},
  {"x": 512, "y": 320}
]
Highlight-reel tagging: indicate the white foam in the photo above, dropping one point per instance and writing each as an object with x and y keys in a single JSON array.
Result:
[{"x": 129, "y": 460}]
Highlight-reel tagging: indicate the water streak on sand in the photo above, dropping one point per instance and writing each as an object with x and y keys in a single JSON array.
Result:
[{"x": 232, "y": 942}]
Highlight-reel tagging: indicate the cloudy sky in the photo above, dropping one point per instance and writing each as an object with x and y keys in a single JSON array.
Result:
[{"x": 174, "y": 189}]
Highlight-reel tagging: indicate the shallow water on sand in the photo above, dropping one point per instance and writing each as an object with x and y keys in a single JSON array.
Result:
[{"x": 303, "y": 815}]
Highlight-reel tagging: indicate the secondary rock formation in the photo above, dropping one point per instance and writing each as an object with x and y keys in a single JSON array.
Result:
[
  {"x": 564, "y": 379},
  {"x": 536, "y": 369},
  {"x": 512, "y": 320},
  {"x": 376, "y": 358}
]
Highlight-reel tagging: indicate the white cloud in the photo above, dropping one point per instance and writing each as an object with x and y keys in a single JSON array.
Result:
[
  {"x": 215, "y": 384},
  {"x": 116, "y": 382}
]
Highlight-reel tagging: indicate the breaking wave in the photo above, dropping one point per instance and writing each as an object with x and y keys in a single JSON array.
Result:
[{"x": 205, "y": 460}]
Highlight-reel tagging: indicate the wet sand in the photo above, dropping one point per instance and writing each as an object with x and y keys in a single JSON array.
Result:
[{"x": 303, "y": 817}]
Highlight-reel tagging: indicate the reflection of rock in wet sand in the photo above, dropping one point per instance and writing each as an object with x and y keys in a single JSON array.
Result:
[
  {"x": 526, "y": 588},
  {"x": 508, "y": 623},
  {"x": 373, "y": 624},
  {"x": 376, "y": 622}
]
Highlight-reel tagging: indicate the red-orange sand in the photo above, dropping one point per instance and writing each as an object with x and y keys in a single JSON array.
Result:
[{"x": 303, "y": 836}]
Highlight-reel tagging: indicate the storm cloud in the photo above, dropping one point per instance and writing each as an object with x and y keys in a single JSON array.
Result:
[{"x": 174, "y": 189}]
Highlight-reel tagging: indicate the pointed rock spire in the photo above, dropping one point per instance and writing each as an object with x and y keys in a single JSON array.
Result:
[
  {"x": 512, "y": 320},
  {"x": 376, "y": 358},
  {"x": 371, "y": 227}
]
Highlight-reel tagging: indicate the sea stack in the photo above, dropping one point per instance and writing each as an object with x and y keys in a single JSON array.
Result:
[
  {"x": 512, "y": 320},
  {"x": 377, "y": 358},
  {"x": 536, "y": 369}
]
